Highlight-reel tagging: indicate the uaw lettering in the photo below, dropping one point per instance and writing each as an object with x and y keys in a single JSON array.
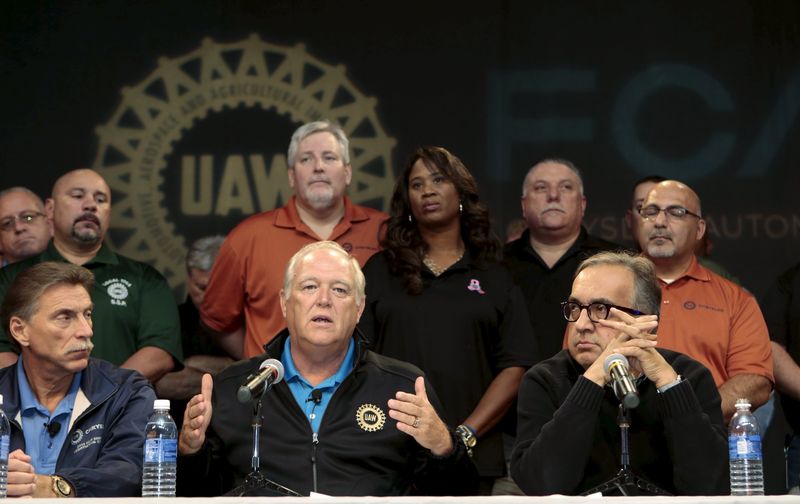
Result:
[{"x": 199, "y": 144}]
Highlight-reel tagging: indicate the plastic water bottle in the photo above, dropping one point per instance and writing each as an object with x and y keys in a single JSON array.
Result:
[
  {"x": 5, "y": 439},
  {"x": 160, "y": 452},
  {"x": 744, "y": 450}
]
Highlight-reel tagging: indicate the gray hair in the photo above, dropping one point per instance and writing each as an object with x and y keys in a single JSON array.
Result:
[
  {"x": 203, "y": 252},
  {"x": 569, "y": 164},
  {"x": 358, "y": 275},
  {"x": 323, "y": 126},
  {"x": 646, "y": 290},
  {"x": 23, "y": 190}
]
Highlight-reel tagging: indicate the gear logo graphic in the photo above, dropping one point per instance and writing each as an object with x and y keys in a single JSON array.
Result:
[
  {"x": 142, "y": 150},
  {"x": 370, "y": 418}
]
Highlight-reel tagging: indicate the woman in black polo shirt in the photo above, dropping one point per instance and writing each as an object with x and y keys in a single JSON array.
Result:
[{"x": 438, "y": 298}]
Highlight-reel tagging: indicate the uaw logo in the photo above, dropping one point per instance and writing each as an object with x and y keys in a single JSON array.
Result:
[
  {"x": 200, "y": 143},
  {"x": 118, "y": 290},
  {"x": 370, "y": 417}
]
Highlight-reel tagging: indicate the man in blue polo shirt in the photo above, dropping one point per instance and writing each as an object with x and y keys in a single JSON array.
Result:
[
  {"x": 77, "y": 423},
  {"x": 345, "y": 421}
]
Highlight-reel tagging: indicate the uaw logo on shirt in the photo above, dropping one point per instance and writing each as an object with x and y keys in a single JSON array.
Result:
[
  {"x": 200, "y": 143},
  {"x": 118, "y": 290},
  {"x": 370, "y": 417}
]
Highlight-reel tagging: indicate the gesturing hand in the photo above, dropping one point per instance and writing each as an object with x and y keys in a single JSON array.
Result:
[
  {"x": 196, "y": 419},
  {"x": 416, "y": 417}
]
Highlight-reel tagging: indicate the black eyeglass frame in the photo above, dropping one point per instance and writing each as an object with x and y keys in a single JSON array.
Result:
[
  {"x": 670, "y": 211},
  {"x": 565, "y": 304}
]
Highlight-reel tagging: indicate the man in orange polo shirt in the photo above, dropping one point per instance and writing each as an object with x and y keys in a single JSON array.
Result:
[
  {"x": 242, "y": 298},
  {"x": 703, "y": 315}
]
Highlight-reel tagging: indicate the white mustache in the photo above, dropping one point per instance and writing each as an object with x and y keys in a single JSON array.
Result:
[{"x": 80, "y": 347}]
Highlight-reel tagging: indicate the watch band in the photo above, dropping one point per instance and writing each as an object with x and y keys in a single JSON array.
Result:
[{"x": 467, "y": 437}]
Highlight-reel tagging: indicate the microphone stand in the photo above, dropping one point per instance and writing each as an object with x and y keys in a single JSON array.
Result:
[
  {"x": 257, "y": 480},
  {"x": 626, "y": 482}
]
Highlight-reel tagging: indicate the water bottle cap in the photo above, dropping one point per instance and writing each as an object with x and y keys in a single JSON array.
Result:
[
  {"x": 161, "y": 404},
  {"x": 742, "y": 403}
]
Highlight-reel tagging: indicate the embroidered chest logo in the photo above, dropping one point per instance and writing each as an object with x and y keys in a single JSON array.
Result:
[
  {"x": 118, "y": 290},
  {"x": 370, "y": 417},
  {"x": 691, "y": 305},
  {"x": 475, "y": 286},
  {"x": 83, "y": 439}
]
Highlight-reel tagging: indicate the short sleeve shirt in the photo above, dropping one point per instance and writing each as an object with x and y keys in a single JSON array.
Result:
[
  {"x": 715, "y": 322},
  {"x": 467, "y": 325},
  {"x": 248, "y": 273},
  {"x": 133, "y": 305}
]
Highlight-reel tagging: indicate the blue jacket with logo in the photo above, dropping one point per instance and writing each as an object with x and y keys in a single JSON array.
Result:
[{"x": 102, "y": 455}]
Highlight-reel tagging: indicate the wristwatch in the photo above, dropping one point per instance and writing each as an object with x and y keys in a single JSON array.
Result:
[
  {"x": 61, "y": 487},
  {"x": 467, "y": 437}
]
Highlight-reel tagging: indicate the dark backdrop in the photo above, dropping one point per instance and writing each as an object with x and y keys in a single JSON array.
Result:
[{"x": 707, "y": 92}]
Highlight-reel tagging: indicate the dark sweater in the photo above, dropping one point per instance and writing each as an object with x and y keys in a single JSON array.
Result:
[{"x": 568, "y": 440}]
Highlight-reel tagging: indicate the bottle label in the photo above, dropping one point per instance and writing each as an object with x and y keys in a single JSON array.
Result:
[
  {"x": 744, "y": 447},
  {"x": 160, "y": 450},
  {"x": 4, "y": 440}
]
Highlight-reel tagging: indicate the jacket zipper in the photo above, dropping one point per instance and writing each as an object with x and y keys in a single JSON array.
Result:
[{"x": 314, "y": 443}]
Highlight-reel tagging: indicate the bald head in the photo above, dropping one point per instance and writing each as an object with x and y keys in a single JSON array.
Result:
[
  {"x": 80, "y": 207},
  {"x": 668, "y": 239}
]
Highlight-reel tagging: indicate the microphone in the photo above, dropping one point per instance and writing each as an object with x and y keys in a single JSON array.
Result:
[
  {"x": 316, "y": 396},
  {"x": 269, "y": 372},
  {"x": 52, "y": 428},
  {"x": 616, "y": 365}
]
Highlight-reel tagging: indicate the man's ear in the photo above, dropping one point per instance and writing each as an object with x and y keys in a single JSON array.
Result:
[
  {"x": 18, "y": 329},
  {"x": 283, "y": 303}
]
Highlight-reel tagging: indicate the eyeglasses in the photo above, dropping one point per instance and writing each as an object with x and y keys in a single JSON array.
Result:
[
  {"x": 597, "y": 311},
  {"x": 651, "y": 212},
  {"x": 7, "y": 224}
]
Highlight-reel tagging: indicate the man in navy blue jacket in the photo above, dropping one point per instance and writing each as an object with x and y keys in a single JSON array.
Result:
[{"x": 77, "y": 424}]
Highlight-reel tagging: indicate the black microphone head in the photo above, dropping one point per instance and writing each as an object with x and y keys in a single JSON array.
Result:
[
  {"x": 243, "y": 395},
  {"x": 630, "y": 401},
  {"x": 53, "y": 428},
  {"x": 613, "y": 359}
]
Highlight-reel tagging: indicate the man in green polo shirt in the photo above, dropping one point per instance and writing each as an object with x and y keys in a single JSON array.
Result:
[{"x": 135, "y": 317}]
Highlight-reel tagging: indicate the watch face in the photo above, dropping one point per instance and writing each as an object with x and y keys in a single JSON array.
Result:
[{"x": 63, "y": 487}]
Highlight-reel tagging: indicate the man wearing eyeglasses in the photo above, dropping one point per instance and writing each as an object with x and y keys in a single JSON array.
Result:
[
  {"x": 703, "y": 315},
  {"x": 24, "y": 229},
  {"x": 568, "y": 438},
  {"x": 634, "y": 222}
]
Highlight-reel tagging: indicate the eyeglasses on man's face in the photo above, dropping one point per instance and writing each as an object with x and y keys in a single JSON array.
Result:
[
  {"x": 650, "y": 212},
  {"x": 597, "y": 311},
  {"x": 8, "y": 223}
]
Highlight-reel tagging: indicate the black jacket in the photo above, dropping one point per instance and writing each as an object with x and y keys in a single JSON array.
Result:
[
  {"x": 349, "y": 457},
  {"x": 568, "y": 439}
]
